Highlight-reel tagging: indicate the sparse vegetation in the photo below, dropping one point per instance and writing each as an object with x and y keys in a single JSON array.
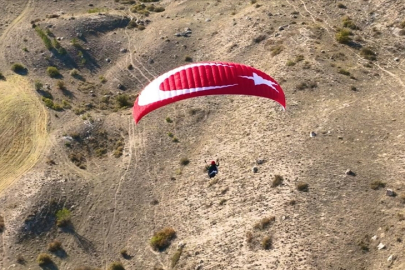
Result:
[
  {"x": 116, "y": 266},
  {"x": 162, "y": 239},
  {"x": 176, "y": 257},
  {"x": 168, "y": 120},
  {"x": 348, "y": 23},
  {"x": 38, "y": 85},
  {"x": 18, "y": 68},
  {"x": 44, "y": 259},
  {"x": 259, "y": 38},
  {"x": 63, "y": 217},
  {"x": 301, "y": 186},
  {"x": 377, "y": 184},
  {"x": 123, "y": 101},
  {"x": 54, "y": 246},
  {"x": 20, "y": 259},
  {"x": 265, "y": 222},
  {"x": 278, "y": 180},
  {"x": 61, "y": 85},
  {"x": 102, "y": 79},
  {"x": 97, "y": 10},
  {"x": 344, "y": 72},
  {"x": 53, "y": 72},
  {"x": 52, "y": 105},
  {"x": 188, "y": 59},
  {"x": 249, "y": 237}
]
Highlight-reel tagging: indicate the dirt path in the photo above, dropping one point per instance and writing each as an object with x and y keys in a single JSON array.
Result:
[{"x": 23, "y": 121}]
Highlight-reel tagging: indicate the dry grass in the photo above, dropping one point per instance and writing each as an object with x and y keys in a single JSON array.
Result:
[
  {"x": 265, "y": 223},
  {"x": 54, "y": 246},
  {"x": 44, "y": 259},
  {"x": 267, "y": 242},
  {"x": 278, "y": 180},
  {"x": 377, "y": 184}
]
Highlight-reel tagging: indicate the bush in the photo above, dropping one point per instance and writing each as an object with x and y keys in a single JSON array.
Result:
[
  {"x": 1, "y": 224},
  {"x": 368, "y": 54},
  {"x": 278, "y": 180},
  {"x": 63, "y": 217},
  {"x": 344, "y": 72},
  {"x": 267, "y": 242},
  {"x": 54, "y": 246},
  {"x": 348, "y": 23},
  {"x": 50, "y": 104},
  {"x": 301, "y": 186},
  {"x": 176, "y": 257},
  {"x": 116, "y": 266},
  {"x": 340, "y": 5},
  {"x": 162, "y": 239},
  {"x": 38, "y": 85},
  {"x": 276, "y": 50},
  {"x": 18, "y": 68},
  {"x": 20, "y": 259},
  {"x": 265, "y": 222},
  {"x": 61, "y": 85},
  {"x": 184, "y": 161},
  {"x": 343, "y": 36},
  {"x": 44, "y": 259},
  {"x": 377, "y": 184},
  {"x": 53, "y": 72},
  {"x": 44, "y": 37},
  {"x": 122, "y": 101}
]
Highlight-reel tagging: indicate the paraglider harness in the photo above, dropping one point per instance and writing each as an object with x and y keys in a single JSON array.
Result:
[{"x": 212, "y": 169}]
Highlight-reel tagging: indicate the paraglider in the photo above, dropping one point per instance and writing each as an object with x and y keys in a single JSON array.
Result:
[{"x": 206, "y": 78}]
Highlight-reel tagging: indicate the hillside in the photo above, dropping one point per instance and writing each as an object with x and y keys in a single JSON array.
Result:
[{"x": 69, "y": 140}]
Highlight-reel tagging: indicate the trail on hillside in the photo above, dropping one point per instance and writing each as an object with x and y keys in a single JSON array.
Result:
[{"x": 23, "y": 122}]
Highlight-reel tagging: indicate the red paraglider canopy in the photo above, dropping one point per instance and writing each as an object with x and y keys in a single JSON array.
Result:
[{"x": 206, "y": 78}]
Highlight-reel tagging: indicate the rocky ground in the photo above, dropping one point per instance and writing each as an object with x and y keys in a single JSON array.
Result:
[{"x": 341, "y": 135}]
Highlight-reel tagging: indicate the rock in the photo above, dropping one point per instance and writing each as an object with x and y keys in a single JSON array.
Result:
[
  {"x": 198, "y": 267},
  {"x": 350, "y": 172},
  {"x": 391, "y": 258},
  {"x": 374, "y": 238},
  {"x": 255, "y": 169},
  {"x": 260, "y": 161},
  {"x": 396, "y": 59},
  {"x": 207, "y": 20},
  {"x": 108, "y": 60},
  {"x": 123, "y": 50},
  {"x": 281, "y": 28},
  {"x": 390, "y": 193},
  {"x": 312, "y": 134},
  {"x": 181, "y": 245},
  {"x": 381, "y": 246}
]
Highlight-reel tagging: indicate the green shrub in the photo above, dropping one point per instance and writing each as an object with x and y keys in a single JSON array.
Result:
[
  {"x": 343, "y": 36},
  {"x": 265, "y": 222},
  {"x": 377, "y": 184},
  {"x": 176, "y": 257},
  {"x": 17, "y": 68},
  {"x": 61, "y": 85},
  {"x": 290, "y": 63},
  {"x": 44, "y": 259},
  {"x": 184, "y": 161},
  {"x": 278, "y": 180},
  {"x": 63, "y": 217},
  {"x": 162, "y": 239},
  {"x": 1, "y": 224},
  {"x": 54, "y": 246},
  {"x": 368, "y": 54},
  {"x": 44, "y": 37},
  {"x": 301, "y": 186},
  {"x": 168, "y": 120},
  {"x": 76, "y": 44},
  {"x": 267, "y": 242},
  {"x": 348, "y": 23},
  {"x": 344, "y": 72},
  {"x": 53, "y": 72},
  {"x": 122, "y": 101},
  {"x": 116, "y": 266},
  {"x": 38, "y": 85}
]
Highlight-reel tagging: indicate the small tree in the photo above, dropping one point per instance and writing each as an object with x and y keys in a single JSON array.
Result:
[
  {"x": 53, "y": 72},
  {"x": 63, "y": 217}
]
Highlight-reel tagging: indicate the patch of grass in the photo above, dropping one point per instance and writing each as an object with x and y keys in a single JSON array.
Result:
[
  {"x": 301, "y": 186},
  {"x": 2, "y": 226},
  {"x": 44, "y": 259},
  {"x": 276, "y": 50},
  {"x": 140, "y": 9},
  {"x": 52, "y": 105},
  {"x": 278, "y": 180},
  {"x": 344, "y": 72},
  {"x": 368, "y": 54},
  {"x": 53, "y": 72},
  {"x": 162, "y": 239},
  {"x": 44, "y": 37},
  {"x": 116, "y": 266},
  {"x": 290, "y": 63},
  {"x": 176, "y": 257},
  {"x": 377, "y": 184},
  {"x": 184, "y": 161},
  {"x": 267, "y": 242},
  {"x": 75, "y": 43},
  {"x": 343, "y": 36},
  {"x": 265, "y": 222},
  {"x": 54, "y": 246},
  {"x": 63, "y": 217},
  {"x": 102, "y": 79},
  {"x": 168, "y": 120},
  {"x": 18, "y": 68}
]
